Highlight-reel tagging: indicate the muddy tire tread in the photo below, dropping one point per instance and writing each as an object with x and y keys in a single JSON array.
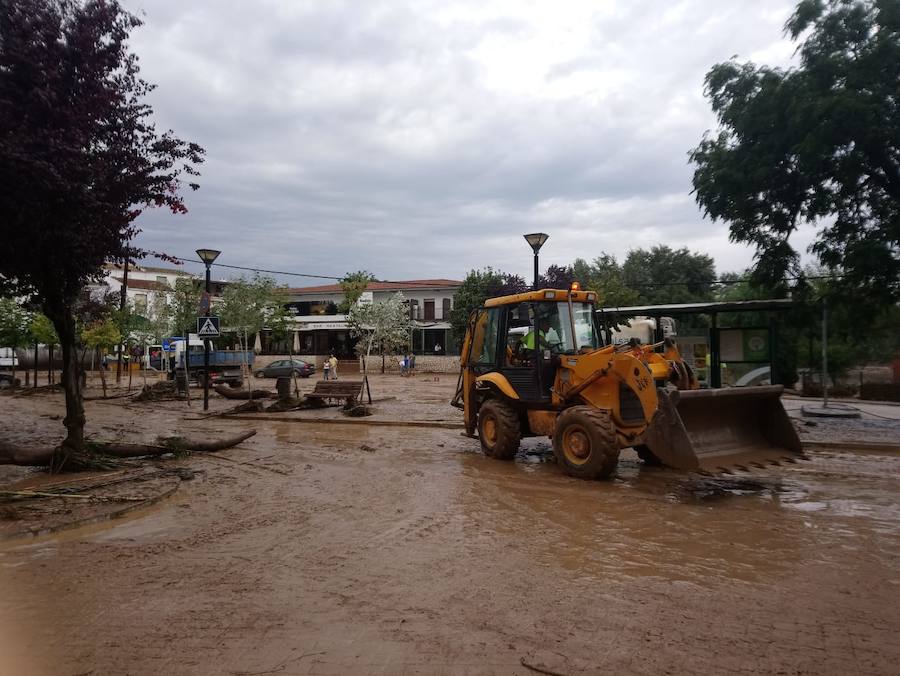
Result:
[
  {"x": 603, "y": 436},
  {"x": 509, "y": 432}
]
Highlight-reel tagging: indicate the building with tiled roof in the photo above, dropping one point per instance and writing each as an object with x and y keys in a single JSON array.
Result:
[{"x": 322, "y": 330}]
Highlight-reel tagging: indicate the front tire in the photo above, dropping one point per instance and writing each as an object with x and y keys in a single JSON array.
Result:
[
  {"x": 499, "y": 430},
  {"x": 585, "y": 444}
]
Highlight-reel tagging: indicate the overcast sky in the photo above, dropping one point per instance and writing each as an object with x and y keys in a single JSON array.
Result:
[{"x": 423, "y": 139}]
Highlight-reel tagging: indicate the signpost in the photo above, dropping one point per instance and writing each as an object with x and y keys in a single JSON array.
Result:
[{"x": 207, "y": 327}]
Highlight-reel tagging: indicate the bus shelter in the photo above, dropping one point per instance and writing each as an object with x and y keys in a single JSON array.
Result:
[{"x": 751, "y": 346}]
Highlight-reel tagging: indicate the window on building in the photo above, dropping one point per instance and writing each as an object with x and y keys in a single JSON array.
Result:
[
  {"x": 413, "y": 308},
  {"x": 140, "y": 303},
  {"x": 429, "y": 309},
  {"x": 445, "y": 309},
  {"x": 162, "y": 279}
]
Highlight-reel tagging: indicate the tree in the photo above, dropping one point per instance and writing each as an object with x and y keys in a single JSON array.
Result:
[
  {"x": 604, "y": 275},
  {"x": 819, "y": 143},
  {"x": 557, "y": 277},
  {"x": 478, "y": 286},
  {"x": 383, "y": 323},
  {"x": 281, "y": 323},
  {"x": 185, "y": 307},
  {"x": 42, "y": 332},
  {"x": 353, "y": 284},
  {"x": 15, "y": 322},
  {"x": 665, "y": 275},
  {"x": 247, "y": 306},
  {"x": 79, "y": 160},
  {"x": 102, "y": 337}
]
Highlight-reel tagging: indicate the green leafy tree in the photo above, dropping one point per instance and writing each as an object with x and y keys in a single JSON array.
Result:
[
  {"x": 15, "y": 322},
  {"x": 819, "y": 143},
  {"x": 101, "y": 337},
  {"x": 604, "y": 275},
  {"x": 478, "y": 286},
  {"x": 281, "y": 323},
  {"x": 42, "y": 332},
  {"x": 184, "y": 307},
  {"x": 79, "y": 160},
  {"x": 663, "y": 275},
  {"x": 383, "y": 324},
  {"x": 353, "y": 284},
  {"x": 248, "y": 305}
]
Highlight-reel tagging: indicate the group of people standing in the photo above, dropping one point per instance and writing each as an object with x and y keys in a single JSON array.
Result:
[
  {"x": 329, "y": 368},
  {"x": 407, "y": 364}
]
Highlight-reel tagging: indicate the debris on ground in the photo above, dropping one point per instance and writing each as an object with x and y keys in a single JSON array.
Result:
[{"x": 165, "y": 389}]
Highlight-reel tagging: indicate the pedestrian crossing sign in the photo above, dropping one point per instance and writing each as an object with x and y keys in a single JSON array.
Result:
[{"x": 208, "y": 327}]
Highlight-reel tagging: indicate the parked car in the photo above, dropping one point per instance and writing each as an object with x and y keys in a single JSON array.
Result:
[{"x": 283, "y": 367}]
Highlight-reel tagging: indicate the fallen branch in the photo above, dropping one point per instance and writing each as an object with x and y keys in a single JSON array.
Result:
[
  {"x": 111, "y": 396},
  {"x": 230, "y": 393},
  {"x": 95, "y": 498},
  {"x": 31, "y": 457},
  {"x": 538, "y": 669}
]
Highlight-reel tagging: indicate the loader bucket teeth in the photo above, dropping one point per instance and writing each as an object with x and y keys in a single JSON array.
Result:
[{"x": 721, "y": 430}]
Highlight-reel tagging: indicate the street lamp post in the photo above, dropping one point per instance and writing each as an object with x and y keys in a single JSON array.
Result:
[
  {"x": 536, "y": 240},
  {"x": 207, "y": 256}
]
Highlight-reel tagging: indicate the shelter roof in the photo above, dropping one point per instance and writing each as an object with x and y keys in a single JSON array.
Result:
[{"x": 703, "y": 308}]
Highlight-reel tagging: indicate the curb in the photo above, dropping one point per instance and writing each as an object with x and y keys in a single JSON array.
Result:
[
  {"x": 854, "y": 446},
  {"x": 347, "y": 421},
  {"x": 87, "y": 521}
]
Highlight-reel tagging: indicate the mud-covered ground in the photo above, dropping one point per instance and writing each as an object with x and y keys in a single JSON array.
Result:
[{"x": 389, "y": 544}]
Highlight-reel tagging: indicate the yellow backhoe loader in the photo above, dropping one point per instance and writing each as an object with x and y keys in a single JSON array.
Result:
[{"x": 532, "y": 364}]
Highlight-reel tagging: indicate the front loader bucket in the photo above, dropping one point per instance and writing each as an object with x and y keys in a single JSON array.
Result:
[{"x": 722, "y": 430}]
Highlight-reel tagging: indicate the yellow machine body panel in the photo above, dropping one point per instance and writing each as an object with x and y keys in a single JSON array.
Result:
[{"x": 499, "y": 381}]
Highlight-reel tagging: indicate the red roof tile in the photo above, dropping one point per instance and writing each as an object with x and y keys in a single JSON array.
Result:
[{"x": 145, "y": 284}]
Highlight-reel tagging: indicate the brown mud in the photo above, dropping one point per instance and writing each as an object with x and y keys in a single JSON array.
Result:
[{"x": 336, "y": 549}]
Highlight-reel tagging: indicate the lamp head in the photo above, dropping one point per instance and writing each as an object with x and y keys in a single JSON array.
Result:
[
  {"x": 208, "y": 255},
  {"x": 536, "y": 240}
]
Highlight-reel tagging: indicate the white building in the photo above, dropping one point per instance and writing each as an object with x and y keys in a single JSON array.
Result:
[
  {"x": 323, "y": 331},
  {"x": 144, "y": 283}
]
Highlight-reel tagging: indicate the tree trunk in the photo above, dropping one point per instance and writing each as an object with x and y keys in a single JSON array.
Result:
[
  {"x": 37, "y": 457},
  {"x": 247, "y": 365},
  {"x": 64, "y": 323},
  {"x": 291, "y": 359},
  {"x": 102, "y": 373},
  {"x": 35, "y": 363}
]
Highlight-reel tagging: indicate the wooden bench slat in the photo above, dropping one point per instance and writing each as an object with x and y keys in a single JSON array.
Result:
[{"x": 347, "y": 389}]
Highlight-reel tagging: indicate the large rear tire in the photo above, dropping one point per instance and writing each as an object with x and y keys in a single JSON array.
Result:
[
  {"x": 585, "y": 443},
  {"x": 499, "y": 430}
]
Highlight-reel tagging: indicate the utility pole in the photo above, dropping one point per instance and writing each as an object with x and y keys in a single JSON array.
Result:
[{"x": 122, "y": 311}]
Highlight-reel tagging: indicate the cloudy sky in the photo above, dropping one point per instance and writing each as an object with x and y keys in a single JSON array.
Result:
[{"x": 421, "y": 139}]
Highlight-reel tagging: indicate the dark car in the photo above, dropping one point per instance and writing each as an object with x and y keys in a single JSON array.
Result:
[{"x": 283, "y": 367}]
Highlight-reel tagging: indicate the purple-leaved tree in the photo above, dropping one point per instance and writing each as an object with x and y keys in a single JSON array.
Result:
[{"x": 79, "y": 159}]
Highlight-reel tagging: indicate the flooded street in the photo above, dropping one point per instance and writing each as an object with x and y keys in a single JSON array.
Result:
[{"x": 334, "y": 548}]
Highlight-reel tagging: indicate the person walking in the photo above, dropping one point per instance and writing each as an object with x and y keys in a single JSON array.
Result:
[
  {"x": 332, "y": 362},
  {"x": 326, "y": 367}
]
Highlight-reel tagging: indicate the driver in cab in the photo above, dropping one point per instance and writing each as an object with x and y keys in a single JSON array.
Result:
[{"x": 546, "y": 336}]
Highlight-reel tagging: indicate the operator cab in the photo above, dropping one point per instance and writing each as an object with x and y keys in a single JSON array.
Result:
[{"x": 526, "y": 340}]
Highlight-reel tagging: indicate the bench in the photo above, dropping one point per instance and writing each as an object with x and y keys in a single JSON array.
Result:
[{"x": 341, "y": 390}]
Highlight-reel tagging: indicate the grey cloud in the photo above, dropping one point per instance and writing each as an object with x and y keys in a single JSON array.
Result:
[{"x": 377, "y": 135}]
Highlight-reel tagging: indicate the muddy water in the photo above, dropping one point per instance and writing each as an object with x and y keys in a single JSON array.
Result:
[
  {"x": 320, "y": 548},
  {"x": 677, "y": 526}
]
